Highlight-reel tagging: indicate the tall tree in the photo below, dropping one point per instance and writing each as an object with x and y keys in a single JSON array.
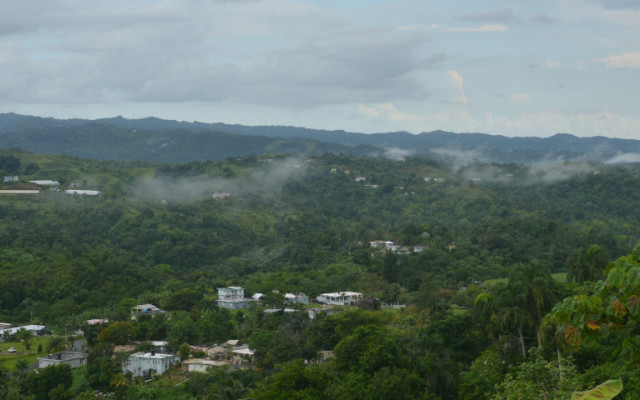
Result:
[{"x": 587, "y": 264}]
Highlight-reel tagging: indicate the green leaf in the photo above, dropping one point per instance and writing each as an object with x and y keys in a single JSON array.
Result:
[{"x": 604, "y": 391}]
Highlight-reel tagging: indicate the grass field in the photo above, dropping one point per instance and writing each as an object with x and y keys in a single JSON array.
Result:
[
  {"x": 560, "y": 277},
  {"x": 9, "y": 361}
]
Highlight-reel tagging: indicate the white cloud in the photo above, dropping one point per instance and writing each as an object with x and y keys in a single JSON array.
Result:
[
  {"x": 547, "y": 123},
  {"x": 387, "y": 112},
  {"x": 460, "y": 29},
  {"x": 369, "y": 112},
  {"x": 283, "y": 53},
  {"x": 458, "y": 83},
  {"x": 624, "y": 158},
  {"x": 625, "y": 60},
  {"x": 483, "y": 28}
]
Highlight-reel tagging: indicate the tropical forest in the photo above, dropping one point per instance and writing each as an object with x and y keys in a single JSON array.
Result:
[{"x": 472, "y": 281}]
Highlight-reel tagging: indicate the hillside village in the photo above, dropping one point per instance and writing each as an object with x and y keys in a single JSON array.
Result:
[{"x": 157, "y": 357}]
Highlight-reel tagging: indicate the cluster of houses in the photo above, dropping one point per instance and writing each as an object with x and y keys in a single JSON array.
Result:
[
  {"x": 396, "y": 248},
  {"x": 46, "y": 183},
  {"x": 158, "y": 360},
  {"x": 233, "y": 297}
]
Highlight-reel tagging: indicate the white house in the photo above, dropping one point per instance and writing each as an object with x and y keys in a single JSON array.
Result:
[
  {"x": 72, "y": 358},
  {"x": 146, "y": 364},
  {"x": 78, "y": 192},
  {"x": 46, "y": 182},
  {"x": 241, "y": 354},
  {"x": 387, "y": 244},
  {"x": 232, "y": 297},
  {"x": 299, "y": 298},
  {"x": 340, "y": 298}
]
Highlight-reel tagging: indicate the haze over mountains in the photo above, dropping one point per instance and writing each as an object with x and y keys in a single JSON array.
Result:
[{"x": 173, "y": 141}]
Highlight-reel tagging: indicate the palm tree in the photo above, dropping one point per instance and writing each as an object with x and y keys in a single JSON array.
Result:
[
  {"x": 520, "y": 305},
  {"x": 549, "y": 336},
  {"x": 518, "y": 318},
  {"x": 533, "y": 289},
  {"x": 587, "y": 265}
]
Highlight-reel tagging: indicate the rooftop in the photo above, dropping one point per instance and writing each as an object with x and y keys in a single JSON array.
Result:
[
  {"x": 63, "y": 356},
  {"x": 158, "y": 356},
  {"x": 340, "y": 294}
]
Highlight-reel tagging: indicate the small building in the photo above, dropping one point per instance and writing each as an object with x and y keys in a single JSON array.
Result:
[
  {"x": 276, "y": 310},
  {"x": 242, "y": 354},
  {"x": 145, "y": 309},
  {"x": 46, "y": 182},
  {"x": 232, "y": 297},
  {"x": 221, "y": 195},
  {"x": 97, "y": 321},
  {"x": 257, "y": 297},
  {"x": 19, "y": 191},
  {"x": 361, "y": 179},
  {"x": 387, "y": 244},
  {"x": 231, "y": 342},
  {"x": 36, "y": 330},
  {"x": 160, "y": 346},
  {"x": 73, "y": 359},
  {"x": 340, "y": 298},
  {"x": 79, "y": 192},
  {"x": 217, "y": 353},
  {"x": 325, "y": 355},
  {"x": 299, "y": 298},
  {"x": 147, "y": 364},
  {"x": 10, "y": 179},
  {"x": 201, "y": 365}
]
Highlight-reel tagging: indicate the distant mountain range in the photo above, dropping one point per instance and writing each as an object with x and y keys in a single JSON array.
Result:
[{"x": 172, "y": 141}]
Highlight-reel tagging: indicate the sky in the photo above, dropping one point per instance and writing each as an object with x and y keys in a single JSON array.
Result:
[{"x": 507, "y": 67}]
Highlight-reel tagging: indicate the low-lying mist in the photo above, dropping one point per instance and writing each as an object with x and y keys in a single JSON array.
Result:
[
  {"x": 269, "y": 178},
  {"x": 541, "y": 172}
]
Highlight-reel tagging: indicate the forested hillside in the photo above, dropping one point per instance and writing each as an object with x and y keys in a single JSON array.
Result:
[
  {"x": 170, "y": 234},
  {"x": 179, "y": 141}
]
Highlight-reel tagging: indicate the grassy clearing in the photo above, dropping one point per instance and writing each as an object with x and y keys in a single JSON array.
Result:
[
  {"x": 560, "y": 277},
  {"x": 456, "y": 310},
  {"x": 10, "y": 360},
  {"x": 495, "y": 281}
]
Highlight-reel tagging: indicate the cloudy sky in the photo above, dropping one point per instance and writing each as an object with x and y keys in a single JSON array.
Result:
[{"x": 510, "y": 67}]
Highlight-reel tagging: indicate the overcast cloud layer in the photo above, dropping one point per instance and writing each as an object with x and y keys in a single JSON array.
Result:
[{"x": 511, "y": 67}]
